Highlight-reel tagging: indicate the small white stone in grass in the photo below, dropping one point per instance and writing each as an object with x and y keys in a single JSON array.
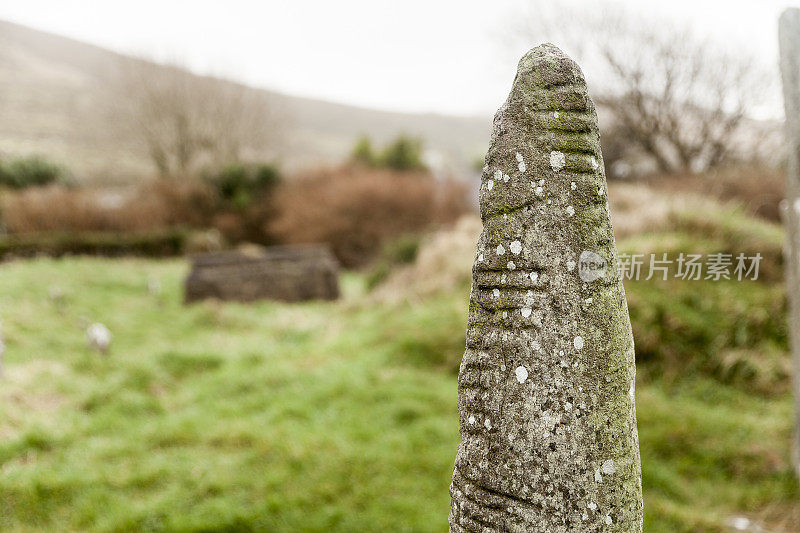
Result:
[
  {"x": 597, "y": 477},
  {"x": 98, "y": 337},
  {"x": 568, "y": 406},
  {"x": 538, "y": 191},
  {"x": 592, "y": 506},
  {"x": 573, "y": 186},
  {"x": 608, "y": 520},
  {"x": 555, "y": 114},
  {"x": 471, "y": 419},
  {"x": 534, "y": 276},
  {"x": 584, "y": 517},
  {"x": 498, "y": 175},
  {"x": 488, "y": 424},
  {"x": 496, "y": 293},
  {"x": 505, "y": 314},
  {"x": 557, "y": 160},
  {"x": 500, "y": 249},
  {"x": 594, "y": 163},
  {"x": 521, "y": 373},
  {"x": 589, "y": 300},
  {"x": 490, "y": 184},
  {"x": 503, "y": 368},
  {"x": 609, "y": 468},
  {"x": 570, "y": 210},
  {"x": 525, "y": 312},
  {"x": 570, "y": 265},
  {"x": 480, "y": 258},
  {"x": 519, "y": 157},
  {"x": 578, "y": 342},
  {"x": 536, "y": 345},
  {"x": 516, "y": 247},
  {"x": 521, "y": 166},
  {"x": 511, "y": 265},
  {"x": 506, "y": 177}
]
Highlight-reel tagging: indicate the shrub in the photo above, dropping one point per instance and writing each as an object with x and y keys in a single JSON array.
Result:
[
  {"x": 239, "y": 184},
  {"x": 363, "y": 153},
  {"x": 28, "y": 172},
  {"x": 356, "y": 210},
  {"x": 404, "y": 153}
]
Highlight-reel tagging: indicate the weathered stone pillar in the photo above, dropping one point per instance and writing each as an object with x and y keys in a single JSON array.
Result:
[
  {"x": 789, "y": 35},
  {"x": 546, "y": 386}
]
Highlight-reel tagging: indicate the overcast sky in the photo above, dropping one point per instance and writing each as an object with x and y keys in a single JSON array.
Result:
[{"x": 445, "y": 56}]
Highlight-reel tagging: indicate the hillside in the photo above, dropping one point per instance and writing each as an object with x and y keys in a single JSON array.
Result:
[{"x": 57, "y": 98}]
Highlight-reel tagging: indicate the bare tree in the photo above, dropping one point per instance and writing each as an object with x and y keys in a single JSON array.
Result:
[
  {"x": 679, "y": 98},
  {"x": 186, "y": 120}
]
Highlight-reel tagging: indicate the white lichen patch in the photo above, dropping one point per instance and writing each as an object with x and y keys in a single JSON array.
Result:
[
  {"x": 521, "y": 163},
  {"x": 480, "y": 258},
  {"x": 557, "y": 160},
  {"x": 600, "y": 191},
  {"x": 471, "y": 419},
  {"x": 498, "y": 175},
  {"x": 522, "y": 374},
  {"x": 534, "y": 276},
  {"x": 592, "y": 506},
  {"x": 500, "y": 249},
  {"x": 506, "y": 177},
  {"x": 609, "y": 521},
  {"x": 526, "y": 312},
  {"x": 496, "y": 293},
  {"x": 570, "y": 265},
  {"x": 597, "y": 477},
  {"x": 555, "y": 114},
  {"x": 570, "y": 210},
  {"x": 578, "y": 342},
  {"x": 516, "y": 247},
  {"x": 487, "y": 423},
  {"x": 489, "y": 184},
  {"x": 538, "y": 191},
  {"x": 510, "y": 265},
  {"x": 505, "y": 314},
  {"x": 568, "y": 406},
  {"x": 594, "y": 163},
  {"x": 608, "y": 467},
  {"x": 573, "y": 186}
]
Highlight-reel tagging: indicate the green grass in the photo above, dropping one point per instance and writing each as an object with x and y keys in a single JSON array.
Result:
[{"x": 316, "y": 417}]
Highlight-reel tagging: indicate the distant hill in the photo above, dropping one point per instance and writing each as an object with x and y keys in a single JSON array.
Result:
[{"x": 57, "y": 99}]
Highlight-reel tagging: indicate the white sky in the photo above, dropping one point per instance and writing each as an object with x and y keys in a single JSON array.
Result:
[{"x": 445, "y": 56}]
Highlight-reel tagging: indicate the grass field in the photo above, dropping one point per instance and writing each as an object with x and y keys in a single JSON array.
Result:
[{"x": 310, "y": 417}]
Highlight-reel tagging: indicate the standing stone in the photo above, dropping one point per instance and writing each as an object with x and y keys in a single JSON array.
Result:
[
  {"x": 546, "y": 386},
  {"x": 789, "y": 36}
]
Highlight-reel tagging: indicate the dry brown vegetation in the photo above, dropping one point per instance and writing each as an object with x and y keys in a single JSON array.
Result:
[
  {"x": 155, "y": 205},
  {"x": 355, "y": 209},
  {"x": 758, "y": 188}
]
